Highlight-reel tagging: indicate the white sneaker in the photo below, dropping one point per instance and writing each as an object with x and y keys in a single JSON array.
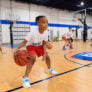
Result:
[
  {"x": 25, "y": 82},
  {"x": 52, "y": 71}
]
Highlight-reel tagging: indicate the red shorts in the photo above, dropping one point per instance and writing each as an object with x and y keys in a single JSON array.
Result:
[
  {"x": 68, "y": 39},
  {"x": 35, "y": 50}
]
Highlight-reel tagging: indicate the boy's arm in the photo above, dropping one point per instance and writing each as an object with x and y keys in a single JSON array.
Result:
[
  {"x": 44, "y": 50},
  {"x": 21, "y": 45}
]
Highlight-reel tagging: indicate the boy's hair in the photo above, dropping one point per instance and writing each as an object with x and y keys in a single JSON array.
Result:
[
  {"x": 73, "y": 30},
  {"x": 70, "y": 27},
  {"x": 38, "y": 18}
]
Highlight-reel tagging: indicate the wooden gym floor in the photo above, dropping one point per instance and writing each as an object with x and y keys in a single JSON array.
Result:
[{"x": 74, "y": 75}]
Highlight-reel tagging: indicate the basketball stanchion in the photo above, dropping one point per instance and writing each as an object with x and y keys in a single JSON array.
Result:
[{"x": 11, "y": 18}]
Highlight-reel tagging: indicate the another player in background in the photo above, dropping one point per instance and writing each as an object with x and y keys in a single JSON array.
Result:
[{"x": 68, "y": 37}]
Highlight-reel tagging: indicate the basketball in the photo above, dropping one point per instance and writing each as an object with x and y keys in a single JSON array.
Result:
[
  {"x": 48, "y": 45},
  {"x": 76, "y": 39},
  {"x": 22, "y": 57},
  {"x": 63, "y": 38}
]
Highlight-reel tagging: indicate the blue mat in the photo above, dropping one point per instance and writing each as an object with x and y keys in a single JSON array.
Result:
[
  {"x": 84, "y": 56},
  {"x": 10, "y": 46}
]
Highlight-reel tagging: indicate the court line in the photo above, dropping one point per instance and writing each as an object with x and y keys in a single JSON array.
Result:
[
  {"x": 51, "y": 77},
  {"x": 65, "y": 56}
]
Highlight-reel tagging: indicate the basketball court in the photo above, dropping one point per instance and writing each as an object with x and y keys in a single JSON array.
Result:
[
  {"x": 74, "y": 75},
  {"x": 74, "y": 66}
]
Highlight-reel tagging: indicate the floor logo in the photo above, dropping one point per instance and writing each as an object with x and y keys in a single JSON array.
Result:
[{"x": 84, "y": 56}]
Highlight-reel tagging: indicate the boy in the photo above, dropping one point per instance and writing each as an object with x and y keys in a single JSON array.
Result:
[
  {"x": 36, "y": 45},
  {"x": 68, "y": 36},
  {"x": 73, "y": 37}
]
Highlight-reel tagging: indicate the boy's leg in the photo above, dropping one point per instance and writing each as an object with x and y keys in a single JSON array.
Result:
[
  {"x": 30, "y": 65},
  {"x": 71, "y": 47},
  {"x": 0, "y": 49},
  {"x": 68, "y": 44},
  {"x": 48, "y": 62},
  {"x": 25, "y": 79},
  {"x": 64, "y": 45}
]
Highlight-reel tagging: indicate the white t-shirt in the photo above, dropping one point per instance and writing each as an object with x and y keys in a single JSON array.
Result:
[
  {"x": 70, "y": 34},
  {"x": 73, "y": 35},
  {"x": 35, "y": 37}
]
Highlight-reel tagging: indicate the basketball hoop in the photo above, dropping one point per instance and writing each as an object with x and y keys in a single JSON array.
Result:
[{"x": 12, "y": 17}]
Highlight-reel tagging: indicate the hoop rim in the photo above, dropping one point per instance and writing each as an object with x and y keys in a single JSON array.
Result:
[{"x": 78, "y": 18}]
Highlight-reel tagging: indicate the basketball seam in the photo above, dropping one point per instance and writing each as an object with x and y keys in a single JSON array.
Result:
[
  {"x": 19, "y": 61},
  {"x": 24, "y": 60}
]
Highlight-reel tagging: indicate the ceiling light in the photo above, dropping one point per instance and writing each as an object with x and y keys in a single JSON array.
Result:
[{"x": 82, "y": 3}]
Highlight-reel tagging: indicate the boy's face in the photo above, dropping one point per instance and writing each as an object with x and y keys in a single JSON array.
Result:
[
  {"x": 43, "y": 23},
  {"x": 70, "y": 29}
]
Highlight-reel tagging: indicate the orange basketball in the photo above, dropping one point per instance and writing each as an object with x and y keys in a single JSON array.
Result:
[
  {"x": 63, "y": 38},
  {"x": 76, "y": 39},
  {"x": 49, "y": 45},
  {"x": 22, "y": 57}
]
